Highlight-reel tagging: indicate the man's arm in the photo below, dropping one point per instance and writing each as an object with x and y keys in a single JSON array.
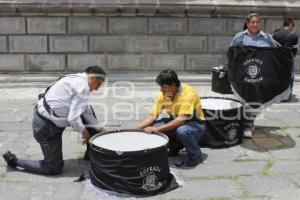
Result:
[
  {"x": 178, "y": 121},
  {"x": 148, "y": 121}
]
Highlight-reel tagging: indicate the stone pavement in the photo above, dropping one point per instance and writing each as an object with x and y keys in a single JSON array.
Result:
[{"x": 266, "y": 167}]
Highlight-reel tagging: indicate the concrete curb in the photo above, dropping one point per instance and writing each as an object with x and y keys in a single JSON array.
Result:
[{"x": 43, "y": 80}]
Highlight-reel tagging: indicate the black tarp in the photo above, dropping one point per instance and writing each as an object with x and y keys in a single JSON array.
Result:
[{"x": 260, "y": 75}]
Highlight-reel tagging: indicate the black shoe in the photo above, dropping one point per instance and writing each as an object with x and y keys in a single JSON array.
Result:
[
  {"x": 10, "y": 159},
  {"x": 173, "y": 153},
  {"x": 194, "y": 162},
  {"x": 86, "y": 156}
]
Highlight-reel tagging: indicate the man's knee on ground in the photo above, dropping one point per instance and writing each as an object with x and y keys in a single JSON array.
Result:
[{"x": 55, "y": 170}]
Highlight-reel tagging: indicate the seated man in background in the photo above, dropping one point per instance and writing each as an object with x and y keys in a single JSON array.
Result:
[{"x": 186, "y": 123}]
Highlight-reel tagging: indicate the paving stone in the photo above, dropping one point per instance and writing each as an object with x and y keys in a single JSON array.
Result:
[
  {"x": 287, "y": 167},
  {"x": 205, "y": 189},
  {"x": 293, "y": 132},
  {"x": 273, "y": 187},
  {"x": 20, "y": 191},
  {"x": 287, "y": 154},
  {"x": 226, "y": 169}
]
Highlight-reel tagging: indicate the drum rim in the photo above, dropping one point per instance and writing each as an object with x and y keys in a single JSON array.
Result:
[
  {"x": 226, "y": 98},
  {"x": 109, "y": 151}
]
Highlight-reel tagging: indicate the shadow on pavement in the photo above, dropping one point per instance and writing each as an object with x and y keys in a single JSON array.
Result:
[
  {"x": 72, "y": 168},
  {"x": 180, "y": 161}
]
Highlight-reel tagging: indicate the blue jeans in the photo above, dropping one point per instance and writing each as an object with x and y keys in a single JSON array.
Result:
[{"x": 187, "y": 135}]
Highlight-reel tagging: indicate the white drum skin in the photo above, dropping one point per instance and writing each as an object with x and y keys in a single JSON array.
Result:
[
  {"x": 219, "y": 104},
  {"x": 129, "y": 141}
]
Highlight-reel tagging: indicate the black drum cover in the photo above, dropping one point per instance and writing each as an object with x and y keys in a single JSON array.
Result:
[
  {"x": 223, "y": 127},
  {"x": 260, "y": 75},
  {"x": 220, "y": 81},
  {"x": 144, "y": 172}
]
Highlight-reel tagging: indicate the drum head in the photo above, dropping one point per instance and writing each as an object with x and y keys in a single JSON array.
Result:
[
  {"x": 220, "y": 103},
  {"x": 128, "y": 141}
]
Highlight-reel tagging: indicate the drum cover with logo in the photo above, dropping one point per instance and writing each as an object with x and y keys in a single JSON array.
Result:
[
  {"x": 260, "y": 74},
  {"x": 220, "y": 82},
  {"x": 223, "y": 118},
  {"x": 131, "y": 162}
]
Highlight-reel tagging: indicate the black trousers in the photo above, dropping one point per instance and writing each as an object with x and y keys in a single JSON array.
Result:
[{"x": 49, "y": 136}]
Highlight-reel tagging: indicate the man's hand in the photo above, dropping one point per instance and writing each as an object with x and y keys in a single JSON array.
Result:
[
  {"x": 151, "y": 129},
  {"x": 85, "y": 136},
  {"x": 148, "y": 121},
  {"x": 101, "y": 130}
]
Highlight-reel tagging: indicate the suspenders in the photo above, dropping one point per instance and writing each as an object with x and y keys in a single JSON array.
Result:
[{"x": 45, "y": 104}]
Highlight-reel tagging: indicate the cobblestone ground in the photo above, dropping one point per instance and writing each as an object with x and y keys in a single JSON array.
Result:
[{"x": 266, "y": 167}]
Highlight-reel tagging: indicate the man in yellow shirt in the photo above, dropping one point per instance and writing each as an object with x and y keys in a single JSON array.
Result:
[{"x": 186, "y": 123}]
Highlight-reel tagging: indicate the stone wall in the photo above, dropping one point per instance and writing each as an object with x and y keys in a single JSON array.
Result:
[{"x": 120, "y": 40}]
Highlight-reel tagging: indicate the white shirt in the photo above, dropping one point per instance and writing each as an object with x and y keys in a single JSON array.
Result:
[{"x": 68, "y": 98}]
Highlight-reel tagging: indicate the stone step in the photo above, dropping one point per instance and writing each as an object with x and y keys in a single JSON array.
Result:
[{"x": 42, "y": 80}]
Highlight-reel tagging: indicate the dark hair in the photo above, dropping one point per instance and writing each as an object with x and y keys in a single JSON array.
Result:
[
  {"x": 98, "y": 71},
  {"x": 251, "y": 15},
  {"x": 245, "y": 26},
  {"x": 167, "y": 77},
  {"x": 288, "y": 22}
]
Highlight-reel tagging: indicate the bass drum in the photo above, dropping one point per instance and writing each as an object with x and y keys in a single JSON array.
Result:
[
  {"x": 224, "y": 117},
  {"x": 131, "y": 161}
]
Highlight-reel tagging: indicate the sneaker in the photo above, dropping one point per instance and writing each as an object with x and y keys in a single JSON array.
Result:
[
  {"x": 10, "y": 159},
  {"x": 247, "y": 134},
  {"x": 194, "y": 162}
]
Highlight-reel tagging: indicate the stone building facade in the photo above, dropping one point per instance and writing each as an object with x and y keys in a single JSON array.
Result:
[{"x": 43, "y": 36}]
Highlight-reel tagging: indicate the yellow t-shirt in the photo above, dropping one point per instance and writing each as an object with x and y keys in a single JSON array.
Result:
[{"x": 187, "y": 101}]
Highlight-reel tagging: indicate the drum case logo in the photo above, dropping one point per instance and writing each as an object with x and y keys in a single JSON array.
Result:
[
  {"x": 232, "y": 133},
  {"x": 150, "y": 180},
  {"x": 253, "y": 69}
]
